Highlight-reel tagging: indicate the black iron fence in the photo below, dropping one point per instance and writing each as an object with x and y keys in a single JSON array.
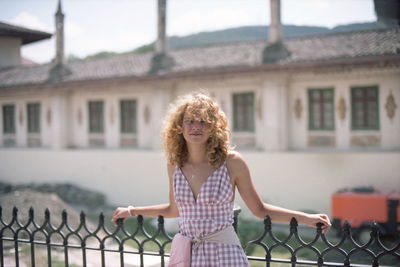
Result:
[{"x": 25, "y": 242}]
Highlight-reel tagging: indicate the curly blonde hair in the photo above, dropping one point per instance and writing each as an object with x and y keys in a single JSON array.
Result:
[{"x": 200, "y": 107}]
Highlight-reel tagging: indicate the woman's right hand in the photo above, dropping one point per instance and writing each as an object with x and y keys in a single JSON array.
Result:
[{"x": 121, "y": 213}]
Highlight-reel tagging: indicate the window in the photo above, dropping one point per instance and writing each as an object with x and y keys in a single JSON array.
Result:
[
  {"x": 364, "y": 108},
  {"x": 321, "y": 109},
  {"x": 96, "y": 117},
  {"x": 243, "y": 112},
  {"x": 128, "y": 116},
  {"x": 33, "y": 118},
  {"x": 9, "y": 119}
]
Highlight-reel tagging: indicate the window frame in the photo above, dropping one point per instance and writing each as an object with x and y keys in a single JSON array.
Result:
[
  {"x": 353, "y": 111},
  {"x": 30, "y": 124},
  {"x": 121, "y": 116},
  {"x": 311, "y": 125},
  {"x": 101, "y": 119},
  {"x": 235, "y": 125},
  {"x": 11, "y": 121}
]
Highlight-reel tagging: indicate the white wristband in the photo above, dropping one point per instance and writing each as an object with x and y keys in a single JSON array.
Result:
[{"x": 130, "y": 208}]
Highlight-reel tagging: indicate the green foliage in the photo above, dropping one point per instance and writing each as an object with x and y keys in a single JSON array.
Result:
[
  {"x": 72, "y": 58},
  {"x": 144, "y": 49},
  {"x": 102, "y": 54}
]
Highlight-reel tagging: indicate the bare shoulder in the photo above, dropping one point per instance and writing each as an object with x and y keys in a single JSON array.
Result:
[{"x": 235, "y": 160}]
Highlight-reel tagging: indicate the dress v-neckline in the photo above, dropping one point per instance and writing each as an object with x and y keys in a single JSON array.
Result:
[{"x": 196, "y": 198}]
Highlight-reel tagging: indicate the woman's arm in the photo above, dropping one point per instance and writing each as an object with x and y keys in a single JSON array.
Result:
[
  {"x": 239, "y": 171},
  {"x": 167, "y": 210}
]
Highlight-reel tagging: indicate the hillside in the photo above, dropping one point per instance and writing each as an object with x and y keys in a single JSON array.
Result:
[
  {"x": 243, "y": 34},
  {"x": 252, "y": 33}
]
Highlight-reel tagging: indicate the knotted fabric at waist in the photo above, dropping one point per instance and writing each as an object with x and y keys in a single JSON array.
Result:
[{"x": 225, "y": 236}]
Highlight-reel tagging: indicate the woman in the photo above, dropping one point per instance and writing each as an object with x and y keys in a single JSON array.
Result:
[{"x": 203, "y": 175}]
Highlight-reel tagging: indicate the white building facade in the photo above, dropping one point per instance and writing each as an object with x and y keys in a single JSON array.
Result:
[
  {"x": 320, "y": 118},
  {"x": 338, "y": 110}
]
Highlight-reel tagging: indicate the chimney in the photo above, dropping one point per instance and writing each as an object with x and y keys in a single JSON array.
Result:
[
  {"x": 59, "y": 70},
  {"x": 59, "y": 35},
  {"x": 161, "y": 36},
  {"x": 275, "y": 49},
  {"x": 161, "y": 61},
  {"x": 275, "y": 28}
]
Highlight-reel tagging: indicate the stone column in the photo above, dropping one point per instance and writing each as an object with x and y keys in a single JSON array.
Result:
[
  {"x": 59, "y": 35},
  {"x": 161, "y": 26},
  {"x": 275, "y": 27}
]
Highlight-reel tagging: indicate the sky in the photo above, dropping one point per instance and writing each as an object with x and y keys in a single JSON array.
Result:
[{"x": 92, "y": 26}]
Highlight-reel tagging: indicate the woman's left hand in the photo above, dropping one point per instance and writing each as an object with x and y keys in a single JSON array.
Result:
[{"x": 314, "y": 219}]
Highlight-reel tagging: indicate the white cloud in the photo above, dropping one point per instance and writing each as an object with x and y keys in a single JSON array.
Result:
[
  {"x": 73, "y": 29},
  {"x": 28, "y": 20},
  {"x": 40, "y": 52}
]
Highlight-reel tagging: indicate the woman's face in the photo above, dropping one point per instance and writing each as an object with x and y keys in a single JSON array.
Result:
[{"x": 195, "y": 130}]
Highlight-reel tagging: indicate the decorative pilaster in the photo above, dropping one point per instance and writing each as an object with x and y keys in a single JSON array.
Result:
[{"x": 390, "y": 106}]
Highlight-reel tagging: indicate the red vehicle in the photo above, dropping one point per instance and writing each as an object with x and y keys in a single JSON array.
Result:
[{"x": 361, "y": 209}]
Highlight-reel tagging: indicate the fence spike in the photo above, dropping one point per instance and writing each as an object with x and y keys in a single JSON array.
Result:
[
  {"x": 293, "y": 225},
  {"x": 31, "y": 213},
  {"x": 160, "y": 220},
  {"x": 319, "y": 228},
  {"x": 267, "y": 224},
  {"x": 47, "y": 214},
  {"x": 120, "y": 222},
  {"x": 101, "y": 219},
  {"x": 82, "y": 216},
  {"x": 15, "y": 212},
  {"x": 64, "y": 216},
  {"x": 140, "y": 219},
  {"x": 347, "y": 228},
  {"x": 375, "y": 230}
]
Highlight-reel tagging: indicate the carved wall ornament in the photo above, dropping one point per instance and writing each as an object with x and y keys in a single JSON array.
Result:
[
  {"x": 298, "y": 108},
  {"x": 79, "y": 116},
  {"x": 48, "y": 116},
  {"x": 390, "y": 106},
  {"x": 341, "y": 108},
  {"x": 146, "y": 114},
  {"x": 21, "y": 117}
]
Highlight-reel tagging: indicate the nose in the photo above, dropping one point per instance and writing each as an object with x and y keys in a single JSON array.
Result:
[{"x": 197, "y": 125}]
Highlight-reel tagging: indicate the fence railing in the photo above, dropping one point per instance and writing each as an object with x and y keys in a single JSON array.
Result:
[{"x": 25, "y": 242}]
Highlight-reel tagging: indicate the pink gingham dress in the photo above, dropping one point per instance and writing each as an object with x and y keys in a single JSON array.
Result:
[{"x": 211, "y": 212}]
